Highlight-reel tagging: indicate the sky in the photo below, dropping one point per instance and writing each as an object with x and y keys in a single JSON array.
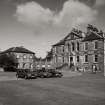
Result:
[{"x": 38, "y": 24}]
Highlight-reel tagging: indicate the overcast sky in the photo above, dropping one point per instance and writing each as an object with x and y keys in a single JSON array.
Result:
[{"x": 38, "y": 24}]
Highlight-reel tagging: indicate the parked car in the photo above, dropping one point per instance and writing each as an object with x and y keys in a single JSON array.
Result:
[
  {"x": 55, "y": 73},
  {"x": 27, "y": 74},
  {"x": 42, "y": 73}
]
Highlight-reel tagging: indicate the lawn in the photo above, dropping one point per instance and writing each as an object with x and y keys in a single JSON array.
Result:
[{"x": 88, "y": 89}]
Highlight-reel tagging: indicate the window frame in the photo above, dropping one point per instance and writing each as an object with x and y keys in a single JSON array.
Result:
[
  {"x": 95, "y": 58},
  {"x": 86, "y": 46},
  {"x": 96, "y": 44},
  {"x": 78, "y": 58},
  {"x": 86, "y": 59},
  {"x": 78, "y": 46},
  {"x": 73, "y": 46}
]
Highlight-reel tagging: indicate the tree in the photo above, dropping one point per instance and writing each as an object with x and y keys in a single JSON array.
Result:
[{"x": 8, "y": 62}]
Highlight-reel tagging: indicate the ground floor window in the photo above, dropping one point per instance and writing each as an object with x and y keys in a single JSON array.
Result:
[
  {"x": 71, "y": 59},
  {"x": 24, "y": 64},
  {"x": 77, "y": 58},
  {"x": 96, "y": 58},
  {"x": 86, "y": 58}
]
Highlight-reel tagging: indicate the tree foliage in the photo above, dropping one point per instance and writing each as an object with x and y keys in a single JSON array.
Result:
[{"x": 8, "y": 62}]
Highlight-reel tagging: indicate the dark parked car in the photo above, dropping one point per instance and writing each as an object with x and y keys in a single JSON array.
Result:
[
  {"x": 27, "y": 74},
  {"x": 55, "y": 73},
  {"x": 42, "y": 73}
]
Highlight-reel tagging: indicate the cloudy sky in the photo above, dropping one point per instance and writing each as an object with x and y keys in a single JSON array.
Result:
[{"x": 38, "y": 24}]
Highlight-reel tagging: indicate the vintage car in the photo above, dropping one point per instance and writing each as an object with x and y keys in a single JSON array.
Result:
[
  {"x": 43, "y": 73},
  {"x": 27, "y": 74},
  {"x": 55, "y": 73}
]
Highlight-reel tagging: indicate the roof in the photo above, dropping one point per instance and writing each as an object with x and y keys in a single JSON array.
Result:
[
  {"x": 18, "y": 50},
  {"x": 93, "y": 36},
  {"x": 62, "y": 42},
  {"x": 75, "y": 32}
]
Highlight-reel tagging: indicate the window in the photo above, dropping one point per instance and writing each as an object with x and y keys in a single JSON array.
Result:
[
  {"x": 96, "y": 45},
  {"x": 96, "y": 58},
  {"x": 77, "y": 46},
  {"x": 77, "y": 58},
  {"x": 73, "y": 46},
  {"x": 24, "y": 64},
  {"x": 63, "y": 49},
  {"x": 31, "y": 65},
  {"x": 30, "y": 56},
  {"x": 71, "y": 59},
  {"x": 68, "y": 46},
  {"x": 86, "y": 46},
  {"x": 63, "y": 59},
  {"x": 55, "y": 50},
  {"x": 86, "y": 58},
  {"x": 24, "y": 56},
  {"x": 17, "y": 56}
]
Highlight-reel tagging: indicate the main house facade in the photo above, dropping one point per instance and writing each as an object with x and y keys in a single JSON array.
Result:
[
  {"x": 25, "y": 58},
  {"x": 80, "y": 51}
]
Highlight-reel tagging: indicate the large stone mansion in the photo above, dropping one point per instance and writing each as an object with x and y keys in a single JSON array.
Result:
[{"x": 80, "y": 50}]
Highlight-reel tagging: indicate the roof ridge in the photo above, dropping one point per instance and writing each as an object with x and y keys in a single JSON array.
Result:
[
  {"x": 97, "y": 34},
  {"x": 13, "y": 49}
]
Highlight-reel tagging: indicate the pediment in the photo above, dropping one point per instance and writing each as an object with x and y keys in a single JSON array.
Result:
[{"x": 72, "y": 36}]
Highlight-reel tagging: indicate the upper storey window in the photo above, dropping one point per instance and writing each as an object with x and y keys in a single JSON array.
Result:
[
  {"x": 24, "y": 56},
  {"x": 17, "y": 56},
  {"x": 55, "y": 50},
  {"x": 30, "y": 56},
  {"x": 96, "y": 45},
  {"x": 73, "y": 46},
  {"x": 86, "y": 46},
  {"x": 86, "y": 58},
  {"x": 77, "y": 46}
]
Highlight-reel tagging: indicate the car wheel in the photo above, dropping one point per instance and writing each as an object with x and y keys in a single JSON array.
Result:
[{"x": 60, "y": 76}]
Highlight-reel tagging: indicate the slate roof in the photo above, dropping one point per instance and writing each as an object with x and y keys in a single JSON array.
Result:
[
  {"x": 62, "y": 42},
  {"x": 93, "y": 36},
  {"x": 18, "y": 50},
  {"x": 75, "y": 32}
]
